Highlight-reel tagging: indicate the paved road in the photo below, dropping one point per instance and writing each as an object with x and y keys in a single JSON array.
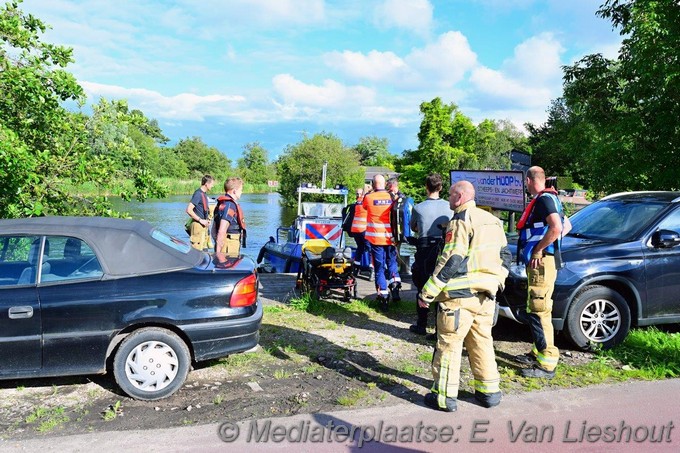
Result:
[{"x": 636, "y": 416}]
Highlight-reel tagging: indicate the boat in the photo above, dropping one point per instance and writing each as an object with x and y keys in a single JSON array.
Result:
[{"x": 315, "y": 220}]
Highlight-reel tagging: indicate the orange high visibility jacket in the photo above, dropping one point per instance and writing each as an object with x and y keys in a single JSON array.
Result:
[
  {"x": 378, "y": 229},
  {"x": 359, "y": 220}
]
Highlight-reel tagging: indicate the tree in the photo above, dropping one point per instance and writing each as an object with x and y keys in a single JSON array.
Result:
[
  {"x": 304, "y": 161},
  {"x": 45, "y": 144},
  {"x": 494, "y": 141},
  {"x": 202, "y": 159},
  {"x": 558, "y": 144},
  {"x": 447, "y": 141},
  {"x": 632, "y": 103},
  {"x": 254, "y": 166},
  {"x": 374, "y": 152}
]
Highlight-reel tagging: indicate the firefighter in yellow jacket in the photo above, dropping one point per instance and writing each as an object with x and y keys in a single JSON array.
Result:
[{"x": 471, "y": 268}]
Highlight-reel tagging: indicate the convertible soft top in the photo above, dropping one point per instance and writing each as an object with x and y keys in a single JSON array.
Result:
[{"x": 124, "y": 247}]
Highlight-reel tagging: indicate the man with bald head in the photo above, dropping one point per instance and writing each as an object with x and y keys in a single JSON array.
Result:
[
  {"x": 378, "y": 204},
  {"x": 470, "y": 270}
]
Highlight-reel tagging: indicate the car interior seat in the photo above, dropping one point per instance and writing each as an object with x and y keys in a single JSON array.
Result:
[
  {"x": 72, "y": 248},
  {"x": 29, "y": 274}
]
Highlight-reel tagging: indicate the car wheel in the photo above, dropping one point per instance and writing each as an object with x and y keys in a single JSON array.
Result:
[
  {"x": 597, "y": 316},
  {"x": 151, "y": 364}
]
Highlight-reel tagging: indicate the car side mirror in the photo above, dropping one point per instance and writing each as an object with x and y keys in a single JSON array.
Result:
[{"x": 665, "y": 239}]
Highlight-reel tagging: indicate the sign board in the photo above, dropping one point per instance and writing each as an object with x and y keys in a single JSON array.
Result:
[
  {"x": 498, "y": 189},
  {"x": 329, "y": 229},
  {"x": 273, "y": 183},
  {"x": 519, "y": 157}
]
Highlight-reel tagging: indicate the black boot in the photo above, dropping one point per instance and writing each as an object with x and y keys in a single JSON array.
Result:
[{"x": 394, "y": 290}]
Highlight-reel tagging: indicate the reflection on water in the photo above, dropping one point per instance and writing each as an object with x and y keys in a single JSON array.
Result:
[{"x": 262, "y": 211}]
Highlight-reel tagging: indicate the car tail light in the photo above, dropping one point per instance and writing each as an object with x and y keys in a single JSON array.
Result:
[{"x": 245, "y": 292}]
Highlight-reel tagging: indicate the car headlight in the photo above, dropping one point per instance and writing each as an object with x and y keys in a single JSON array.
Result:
[{"x": 518, "y": 270}]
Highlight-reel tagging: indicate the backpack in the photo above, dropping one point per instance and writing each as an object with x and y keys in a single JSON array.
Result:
[
  {"x": 348, "y": 217},
  {"x": 400, "y": 218}
]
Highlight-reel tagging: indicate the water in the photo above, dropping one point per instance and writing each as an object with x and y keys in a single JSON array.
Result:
[{"x": 263, "y": 214}]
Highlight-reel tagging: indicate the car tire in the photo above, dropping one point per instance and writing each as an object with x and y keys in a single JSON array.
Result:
[
  {"x": 597, "y": 317},
  {"x": 146, "y": 348}
]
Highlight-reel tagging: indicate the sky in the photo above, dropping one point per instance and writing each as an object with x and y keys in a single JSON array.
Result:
[{"x": 235, "y": 72}]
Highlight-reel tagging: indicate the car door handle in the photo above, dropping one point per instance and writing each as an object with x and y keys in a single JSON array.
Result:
[{"x": 20, "y": 312}]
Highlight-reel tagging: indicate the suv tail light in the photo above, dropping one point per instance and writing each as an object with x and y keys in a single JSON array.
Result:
[{"x": 245, "y": 292}]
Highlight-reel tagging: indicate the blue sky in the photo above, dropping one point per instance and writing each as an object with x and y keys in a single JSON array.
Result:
[{"x": 239, "y": 71}]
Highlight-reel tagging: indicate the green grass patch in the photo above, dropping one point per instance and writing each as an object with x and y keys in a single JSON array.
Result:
[
  {"x": 426, "y": 357},
  {"x": 352, "y": 397},
  {"x": 48, "y": 418},
  {"x": 649, "y": 353}
]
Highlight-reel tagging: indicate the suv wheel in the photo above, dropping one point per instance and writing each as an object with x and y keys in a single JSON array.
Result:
[
  {"x": 597, "y": 316},
  {"x": 151, "y": 364}
]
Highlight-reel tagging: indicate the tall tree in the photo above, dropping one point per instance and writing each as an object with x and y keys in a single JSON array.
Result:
[
  {"x": 494, "y": 141},
  {"x": 304, "y": 161},
  {"x": 446, "y": 142},
  {"x": 202, "y": 159},
  {"x": 633, "y": 102},
  {"x": 39, "y": 139},
  {"x": 254, "y": 166},
  {"x": 374, "y": 152}
]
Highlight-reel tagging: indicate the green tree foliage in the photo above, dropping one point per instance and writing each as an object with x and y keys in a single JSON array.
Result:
[
  {"x": 447, "y": 142},
  {"x": 627, "y": 109},
  {"x": 254, "y": 167},
  {"x": 495, "y": 139},
  {"x": 202, "y": 159},
  {"x": 304, "y": 161},
  {"x": 374, "y": 152},
  {"x": 558, "y": 145},
  {"x": 44, "y": 146}
]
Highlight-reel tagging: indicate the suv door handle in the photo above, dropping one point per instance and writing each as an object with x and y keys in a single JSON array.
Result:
[{"x": 20, "y": 312}]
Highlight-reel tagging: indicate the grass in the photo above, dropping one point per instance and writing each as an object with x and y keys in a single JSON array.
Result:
[
  {"x": 353, "y": 397},
  {"x": 113, "y": 411},
  {"x": 648, "y": 354},
  {"x": 48, "y": 418}
]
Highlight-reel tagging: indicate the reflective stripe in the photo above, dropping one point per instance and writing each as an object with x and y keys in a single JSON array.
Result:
[
  {"x": 487, "y": 386},
  {"x": 551, "y": 362}
]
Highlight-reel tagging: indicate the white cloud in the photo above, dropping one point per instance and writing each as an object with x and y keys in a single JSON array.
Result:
[
  {"x": 412, "y": 15},
  {"x": 374, "y": 66},
  {"x": 330, "y": 94},
  {"x": 441, "y": 64},
  {"x": 184, "y": 106},
  {"x": 445, "y": 62},
  {"x": 536, "y": 60},
  {"x": 530, "y": 79}
]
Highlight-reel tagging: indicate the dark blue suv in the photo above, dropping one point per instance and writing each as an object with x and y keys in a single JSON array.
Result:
[{"x": 621, "y": 268}]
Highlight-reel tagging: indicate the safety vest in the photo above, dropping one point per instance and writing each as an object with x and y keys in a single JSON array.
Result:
[
  {"x": 531, "y": 233},
  {"x": 219, "y": 211},
  {"x": 360, "y": 215},
  {"x": 378, "y": 229}
]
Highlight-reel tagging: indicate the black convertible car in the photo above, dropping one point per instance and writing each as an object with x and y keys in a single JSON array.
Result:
[
  {"x": 80, "y": 295},
  {"x": 621, "y": 268}
]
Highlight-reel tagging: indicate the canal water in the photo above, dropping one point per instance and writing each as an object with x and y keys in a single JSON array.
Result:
[{"x": 263, "y": 213}]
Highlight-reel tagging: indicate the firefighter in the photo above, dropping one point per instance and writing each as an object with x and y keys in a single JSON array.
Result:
[
  {"x": 379, "y": 236},
  {"x": 471, "y": 268},
  {"x": 229, "y": 225},
  {"x": 198, "y": 210},
  {"x": 541, "y": 228}
]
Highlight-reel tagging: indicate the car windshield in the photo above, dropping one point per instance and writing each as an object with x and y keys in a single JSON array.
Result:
[{"x": 614, "y": 219}]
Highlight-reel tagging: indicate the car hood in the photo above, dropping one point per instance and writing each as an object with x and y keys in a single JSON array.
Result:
[{"x": 572, "y": 248}]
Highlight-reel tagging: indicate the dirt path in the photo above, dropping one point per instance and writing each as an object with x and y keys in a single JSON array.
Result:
[{"x": 340, "y": 359}]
